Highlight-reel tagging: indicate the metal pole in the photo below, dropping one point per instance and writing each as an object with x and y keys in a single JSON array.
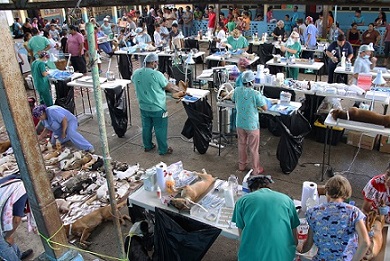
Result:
[
  {"x": 103, "y": 135},
  {"x": 335, "y": 14},
  {"x": 18, "y": 121}
]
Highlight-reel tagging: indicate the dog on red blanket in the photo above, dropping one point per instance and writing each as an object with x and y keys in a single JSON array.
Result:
[
  {"x": 84, "y": 226},
  {"x": 356, "y": 114}
]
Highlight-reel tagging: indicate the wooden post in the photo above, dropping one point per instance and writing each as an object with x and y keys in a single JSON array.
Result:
[
  {"x": 326, "y": 9},
  {"x": 21, "y": 131}
]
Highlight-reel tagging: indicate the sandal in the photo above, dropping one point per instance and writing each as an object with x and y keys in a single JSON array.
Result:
[
  {"x": 169, "y": 151},
  {"x": 152, "y": 148}
]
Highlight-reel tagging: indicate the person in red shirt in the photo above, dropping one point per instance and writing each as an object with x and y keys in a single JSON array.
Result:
[
  {"x": 376, "y": 192},
  {"x": 212, "y": 20},
  {"x": 222, "y": 18}
]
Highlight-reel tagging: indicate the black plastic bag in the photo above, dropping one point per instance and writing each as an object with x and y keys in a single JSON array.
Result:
[
  {"x": 125, "y": 66},
  {"x": 117, "y": 106},
  {"x": 64, "y": 95},
  {"x": 199, "y": 124},
  {"x": 290, "y": 144},
  {"x": 177, "y": 237}
]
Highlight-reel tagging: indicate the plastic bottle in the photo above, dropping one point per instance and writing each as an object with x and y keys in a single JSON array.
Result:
[
  {"x": 233, "y": 182},
  {"x": 229, "y": 198},
  {"x": 49, "y": 145},
  {"x": 343, "y": 60},
  {"x": 170, "y": 184},
  {"x": 158, "y": 192},
  {"x": 303, "y": 230},
  {"x": 258, "y": 77},
  {"x": 253, "y": 37}
]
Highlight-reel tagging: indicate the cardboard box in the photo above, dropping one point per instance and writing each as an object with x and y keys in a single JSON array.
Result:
[
  {"x": 384, "y": 146},
  {"x": 364, "y": 141}
]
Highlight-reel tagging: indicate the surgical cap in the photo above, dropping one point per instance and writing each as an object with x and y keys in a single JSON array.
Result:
[
  {"x": 138, "y": 30},
  {"x": 248, "y": 76},
  {"x": 39, "y": 110},
  {"x": 152, "y": 57},
  {"x": 365, "y": 47}
]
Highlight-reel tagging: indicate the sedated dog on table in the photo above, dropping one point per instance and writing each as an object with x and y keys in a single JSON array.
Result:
[
  {"x": 192, "y": 193},
  {"x": 366, "y": 116},
  {"x": 84, "y": 226}
]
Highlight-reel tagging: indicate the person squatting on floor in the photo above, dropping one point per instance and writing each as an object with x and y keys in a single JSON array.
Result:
[{"x": 63, "y": 125}]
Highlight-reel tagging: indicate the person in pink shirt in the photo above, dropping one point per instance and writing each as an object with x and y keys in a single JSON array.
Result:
[
  {"x": 387, "y": 44},
  {"x": 212, "y": 20},
  {"x": 75, "y": 46}
]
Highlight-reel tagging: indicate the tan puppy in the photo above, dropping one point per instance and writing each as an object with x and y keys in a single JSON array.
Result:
[
  {"x": 356, "y": 114},
  {"x": 4, "y": 146},
  {"x": 374, "y": 224},
  {"x": 84, "y": 226},
  {"x": 193, "y": 192}
]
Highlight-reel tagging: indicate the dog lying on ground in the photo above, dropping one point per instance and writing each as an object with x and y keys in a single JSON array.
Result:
[
  {"x": 356, "y": 114},
  {"x": 192, "y": 193},
  {"x": 84, "y": 226},
  {"x": 4, "y": 146},
  {"x": 139, "y": 241},
  {"x": 374, "y": 224}
]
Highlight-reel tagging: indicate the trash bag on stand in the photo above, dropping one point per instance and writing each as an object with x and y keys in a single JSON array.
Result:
[
  {"x": 117, "y": 106},
  {"x": 177, "y": 237},
  {"x": 125, "y": 66},
  {"x": 199, "y": 124},
  {"x": 64, "y": 95},
  {"x": 290, "y": 144}
]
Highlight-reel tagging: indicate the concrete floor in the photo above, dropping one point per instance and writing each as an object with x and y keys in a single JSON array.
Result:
[{"x": 129, "y": 149}]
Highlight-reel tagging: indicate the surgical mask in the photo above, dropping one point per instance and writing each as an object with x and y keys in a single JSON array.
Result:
[
  {"x": 236, "y": 39},
  {"x": 366, "y": 56},
  {"x": 155, "y": 67}
]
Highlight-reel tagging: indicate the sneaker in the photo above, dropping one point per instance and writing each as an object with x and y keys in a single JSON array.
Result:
[{"x": 26, "y": 254}]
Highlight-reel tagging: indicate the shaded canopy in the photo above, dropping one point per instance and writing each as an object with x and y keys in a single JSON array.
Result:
[{"x": 46, "y": 4}]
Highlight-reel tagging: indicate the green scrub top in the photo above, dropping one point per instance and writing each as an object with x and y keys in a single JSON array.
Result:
[
  {"x": 240, "y": 43},
  {"x": 150, "y": 89},
  {"x": 38, "y": 43}
]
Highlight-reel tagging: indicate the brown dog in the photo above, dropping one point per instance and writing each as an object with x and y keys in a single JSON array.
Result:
[
  {"x": 193, "y": 193},
  {"x": 374, "y": 224},
  {"x": 4, "y": 146},
  {"x": 356, "y": 114},
  {"x": 84, "y": 226}
]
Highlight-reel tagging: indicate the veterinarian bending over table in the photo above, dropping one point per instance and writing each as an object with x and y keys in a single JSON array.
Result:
[
  {"x": 267, "y": 222},
  {"x": 63, "y": 124}
]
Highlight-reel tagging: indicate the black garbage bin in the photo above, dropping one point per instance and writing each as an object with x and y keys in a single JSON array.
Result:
[
  {"x": 199, "y": 124},
  {"x": 64, "y": 95},
  {"x": 290, "y": 145},
  {"x": 125, "y": 66},
  {"x": 177, "y": 237},
  {"x": 117, "y": 106}
]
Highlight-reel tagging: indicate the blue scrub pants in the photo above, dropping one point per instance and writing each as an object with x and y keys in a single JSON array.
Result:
[
  {"x": 74, "y": 136},
  {"x": 154, "y": 119}
]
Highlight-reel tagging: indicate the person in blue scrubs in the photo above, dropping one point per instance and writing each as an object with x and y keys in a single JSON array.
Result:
[{"x": 63, "y": 125}]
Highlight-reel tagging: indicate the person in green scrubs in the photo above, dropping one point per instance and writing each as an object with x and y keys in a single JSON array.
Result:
[
  {"x": 150, "y": 86},
  {"x": 41, "y": 80},
  {"x": 292, "y": 48},
  {"x": 266, "y": 221},
  {"x": 237, "y": 42}
]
